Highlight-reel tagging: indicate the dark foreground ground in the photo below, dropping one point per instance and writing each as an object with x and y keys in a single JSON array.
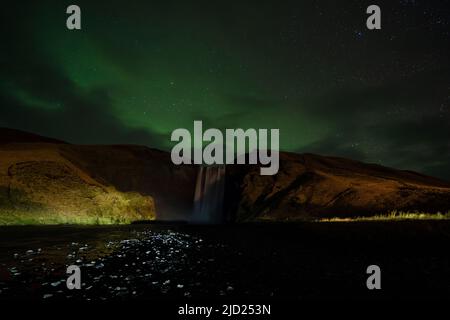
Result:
[{"x": 257, "y": 261}]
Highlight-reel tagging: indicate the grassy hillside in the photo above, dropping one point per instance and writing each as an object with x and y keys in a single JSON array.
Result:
[{"x": 40, "y": 186}]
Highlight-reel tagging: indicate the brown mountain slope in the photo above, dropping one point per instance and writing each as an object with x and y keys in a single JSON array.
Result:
[
  {"x": 310, "y": 186},
  {"x": 120, "y": 169},
  {"x": 131, "y": 182},
  {"x": 140, "y": 169},
  {"x": 38, "y": 184}
]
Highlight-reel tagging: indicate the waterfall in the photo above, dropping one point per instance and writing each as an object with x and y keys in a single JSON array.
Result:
[{"x": 209, "y": 193}]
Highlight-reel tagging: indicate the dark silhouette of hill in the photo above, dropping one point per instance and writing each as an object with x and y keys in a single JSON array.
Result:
[{"x": 17, "y": 136}]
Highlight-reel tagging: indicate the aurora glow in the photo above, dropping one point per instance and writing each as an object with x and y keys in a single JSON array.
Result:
[{"x": 138, "y": 70}]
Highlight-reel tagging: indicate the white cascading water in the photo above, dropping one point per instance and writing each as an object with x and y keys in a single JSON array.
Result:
[{"x": 209, "y": 194}]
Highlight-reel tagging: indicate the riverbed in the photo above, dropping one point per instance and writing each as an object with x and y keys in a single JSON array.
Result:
[{"x": 267, "y": 261}]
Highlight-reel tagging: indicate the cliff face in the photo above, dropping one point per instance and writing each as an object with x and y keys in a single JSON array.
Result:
[
  {"x": 140, "y": 169},
  {"x": 310, "y": 186}
]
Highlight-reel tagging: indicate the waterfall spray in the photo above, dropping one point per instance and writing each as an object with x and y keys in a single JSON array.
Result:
[{"x": 209, "y": 194}]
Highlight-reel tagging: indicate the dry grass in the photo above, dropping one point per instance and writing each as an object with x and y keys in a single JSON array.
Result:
[
  {"x": 393, "y": 216},
  {"x": 52, "y": 218}
]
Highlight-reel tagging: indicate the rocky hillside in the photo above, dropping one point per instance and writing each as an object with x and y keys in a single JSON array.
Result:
[
  {"x": 40, "y": 184},
  {"x": 46, "y": 180},
  {"x": 310, "y": 186},
  {"x": 139, "y": 169}
]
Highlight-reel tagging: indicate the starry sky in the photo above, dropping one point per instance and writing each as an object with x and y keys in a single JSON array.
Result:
[{"x": 139, "y": 69}]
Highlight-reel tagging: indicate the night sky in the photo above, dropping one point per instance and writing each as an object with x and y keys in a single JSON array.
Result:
[{"x": 139, "y": 69}]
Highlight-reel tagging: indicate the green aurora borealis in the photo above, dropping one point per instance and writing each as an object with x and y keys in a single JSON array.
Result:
[{"x": 139, "y": 69}]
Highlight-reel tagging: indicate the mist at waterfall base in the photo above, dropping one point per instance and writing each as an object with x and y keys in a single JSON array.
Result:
[{"x": 209, "y": 195}]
